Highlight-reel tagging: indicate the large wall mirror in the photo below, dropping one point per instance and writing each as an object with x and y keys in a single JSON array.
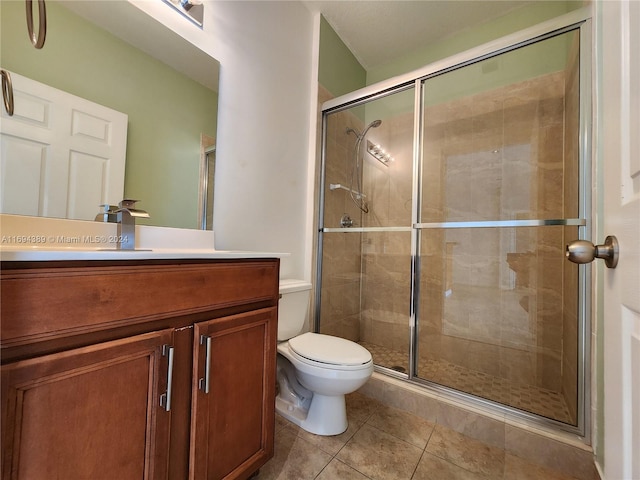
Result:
[{"x": 113, "y": 54}]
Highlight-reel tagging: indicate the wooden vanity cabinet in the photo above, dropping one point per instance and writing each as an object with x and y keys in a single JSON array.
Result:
[
  {"x": 229, "y": 406},
  {"x": 87, "y": 413},
  {"x": 91, "y": 350}
]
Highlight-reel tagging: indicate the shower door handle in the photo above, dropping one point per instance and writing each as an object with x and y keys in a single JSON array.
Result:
[{"x": 583, "y": 251}]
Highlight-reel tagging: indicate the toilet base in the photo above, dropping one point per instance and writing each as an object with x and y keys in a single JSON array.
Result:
[{"x": 327, "y": 415}]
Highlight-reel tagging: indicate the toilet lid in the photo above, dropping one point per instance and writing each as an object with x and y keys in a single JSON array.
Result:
[{"x": 329, "y": 349}]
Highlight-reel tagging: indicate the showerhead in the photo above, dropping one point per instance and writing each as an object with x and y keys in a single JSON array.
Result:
[
  {"x": 356, "y": 173},
  {"x": 374, "y": 124}
]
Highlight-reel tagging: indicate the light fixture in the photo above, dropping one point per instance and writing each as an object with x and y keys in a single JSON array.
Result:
[
  {"x": 190, "y": 9},
  {"x": 379, "y": 153}
]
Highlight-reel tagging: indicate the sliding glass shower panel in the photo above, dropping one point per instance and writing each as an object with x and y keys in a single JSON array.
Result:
[
  {"x": 498, "y": 316},
  {"x": 366, "y": 225},
  {"x": 498, "y": 311},
  {"x": 366, "y": 292},
  {"x": 340, "y": 304},
  {"x": 368, "y": 163},
  {"x": 386, "y": 296},
  {"x": 500, "y": 136}
]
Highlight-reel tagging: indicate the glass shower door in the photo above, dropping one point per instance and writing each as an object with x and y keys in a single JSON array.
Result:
[
  {"x": 499, "y": 309},
  {"x": 366, "y": 233}
]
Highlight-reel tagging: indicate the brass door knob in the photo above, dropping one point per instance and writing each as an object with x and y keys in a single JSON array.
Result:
[{"x": 583, "y": 251}]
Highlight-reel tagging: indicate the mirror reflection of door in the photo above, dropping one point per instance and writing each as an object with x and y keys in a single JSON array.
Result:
[
  {"x": 143, "y": 75},
  {"x": 207, "y": 176},
  {"x": 62, "y": 155}
]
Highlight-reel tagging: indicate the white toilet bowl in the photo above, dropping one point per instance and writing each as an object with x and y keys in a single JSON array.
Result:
[{"x": 315, "y": 372}]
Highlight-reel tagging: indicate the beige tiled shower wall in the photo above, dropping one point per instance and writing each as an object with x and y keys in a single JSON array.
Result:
[
  {"x": 498, "y": 301},
  {"x": 499, "y": 155},
  {"x": 341, "y": 262},
  {"x": 386, "y": 281}
]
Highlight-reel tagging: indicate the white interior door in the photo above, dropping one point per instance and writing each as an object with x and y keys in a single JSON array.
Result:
[
  {"x": 62, "y": 155},
  {"x": 620, "y": 136}
]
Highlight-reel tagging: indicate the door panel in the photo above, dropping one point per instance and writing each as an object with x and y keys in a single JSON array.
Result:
[
  {"x": 620, "y": 166},
  {"x": 232, "y": 432},
  {"x": 62, "y": 155},
  {"x": 91, "y": 412}
]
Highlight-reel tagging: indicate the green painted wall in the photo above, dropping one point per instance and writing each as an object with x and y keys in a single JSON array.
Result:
[
  {"x": 338, "y": 69},
  {"x": 509, "y": 68},
  {"x": 512, "y": 22},
  {"x": 163, "y": 142},
  {"x": 340, "y": 72}
]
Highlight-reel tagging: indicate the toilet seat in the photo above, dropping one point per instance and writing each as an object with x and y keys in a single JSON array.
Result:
[{"x": 329, "y": 351}]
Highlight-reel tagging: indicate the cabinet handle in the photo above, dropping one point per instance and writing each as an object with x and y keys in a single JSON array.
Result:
[
  {"x": 165, "y": 398},
  {"x": 204, "y": 383}
]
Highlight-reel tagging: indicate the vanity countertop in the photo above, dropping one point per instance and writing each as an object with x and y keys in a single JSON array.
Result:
[
  {"x": 35, "y": 254},
  {"x": 34, "y": 239}
]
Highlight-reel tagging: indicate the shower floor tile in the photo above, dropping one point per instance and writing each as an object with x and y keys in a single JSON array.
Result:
[{"x": 524, "y": 397}]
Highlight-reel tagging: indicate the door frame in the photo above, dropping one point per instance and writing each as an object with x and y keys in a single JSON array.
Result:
[{"x": 617, "y": 210}]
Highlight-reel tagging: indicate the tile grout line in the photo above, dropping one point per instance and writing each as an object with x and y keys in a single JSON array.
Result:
[
  {"x": 424, "y": 450},
  {"x": 335, "y": 456}
]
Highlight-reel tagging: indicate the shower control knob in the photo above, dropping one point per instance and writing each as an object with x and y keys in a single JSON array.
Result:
[
  {"x": 583, "y": 251},
  {"x": 346, "y": 221}
]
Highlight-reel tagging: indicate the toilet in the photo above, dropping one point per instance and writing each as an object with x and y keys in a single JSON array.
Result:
[{"x": 314, "y": 371}]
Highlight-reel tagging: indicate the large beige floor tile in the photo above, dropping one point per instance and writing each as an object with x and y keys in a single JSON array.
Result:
[
  {"x": 516, "y": 468},
  {"x": 337, "y": 470},
  {"x": 403, "y": 425},
  {"x": 379, "y": 455},
  {"x": 435, "y": 468},
  {"x": 360, "y": 407},
  {"x": 466, "y": 452},
  {"x": 330, "y": 444},
  {"x": 553, "y": 454},
  {"x": 294, "y": 458}
]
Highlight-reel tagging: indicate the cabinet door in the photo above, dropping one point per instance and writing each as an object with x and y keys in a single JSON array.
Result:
[
  {"x": 88, "y": 413},
  {"x": 233, "y": 410}
]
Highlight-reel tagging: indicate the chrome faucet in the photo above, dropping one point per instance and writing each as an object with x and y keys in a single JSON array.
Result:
[
  {"x": 108, "y": 214},
  {"x": 126, "y": 218}
]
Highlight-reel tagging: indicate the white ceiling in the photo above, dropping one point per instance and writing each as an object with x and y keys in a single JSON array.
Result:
[{"x": 377, "y": 31}]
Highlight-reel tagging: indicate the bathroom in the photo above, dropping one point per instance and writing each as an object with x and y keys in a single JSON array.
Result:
[{"x": 277, "y": 214}]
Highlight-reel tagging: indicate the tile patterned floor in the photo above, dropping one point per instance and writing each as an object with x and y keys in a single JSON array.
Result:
[
  {"x": 525, "y": 397},
  {"x": 384, "y": 443}
]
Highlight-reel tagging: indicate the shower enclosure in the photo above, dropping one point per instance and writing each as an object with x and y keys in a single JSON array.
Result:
[{"x": 447, "y": 198}]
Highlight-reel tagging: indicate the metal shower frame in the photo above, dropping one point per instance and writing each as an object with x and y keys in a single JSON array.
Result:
[{"x": 579, "y": 20}]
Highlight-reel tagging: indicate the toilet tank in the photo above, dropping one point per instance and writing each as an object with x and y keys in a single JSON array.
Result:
[{"x": 293, "y": 308}]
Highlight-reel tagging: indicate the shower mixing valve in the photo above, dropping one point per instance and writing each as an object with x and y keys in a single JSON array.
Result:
[{"x": 346, "y": 221}]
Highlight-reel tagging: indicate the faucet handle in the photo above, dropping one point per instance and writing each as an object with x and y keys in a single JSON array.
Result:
[
  {"x": 107, "y": 213},
  {"x": 128, "y": 203},
  {"x": 106, "y": 208}
]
